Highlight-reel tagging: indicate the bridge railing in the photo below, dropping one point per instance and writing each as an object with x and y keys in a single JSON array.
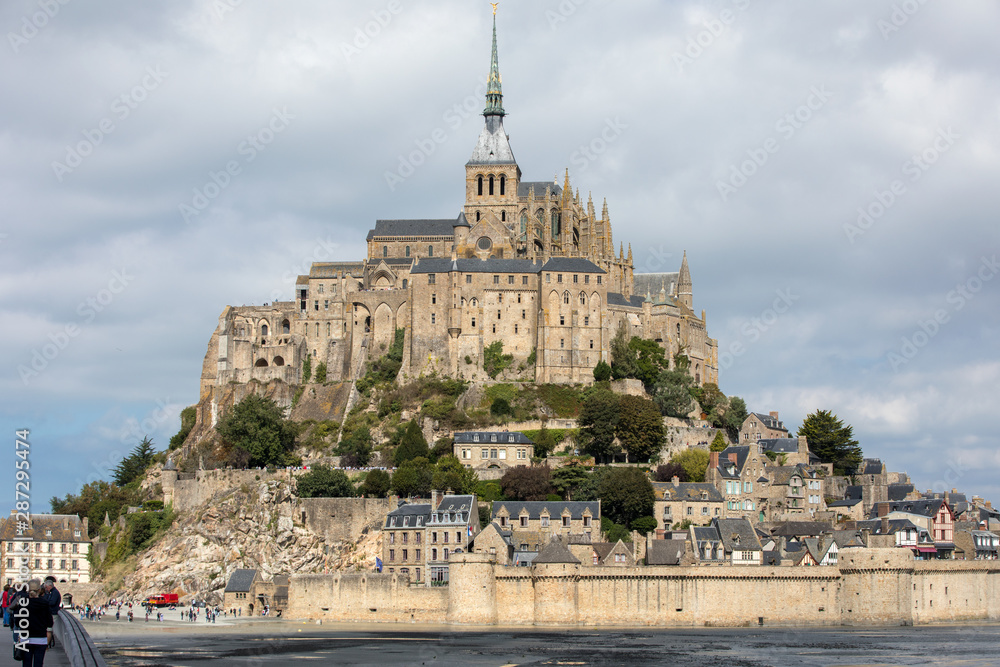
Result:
[{"x": 75, "y": 641}]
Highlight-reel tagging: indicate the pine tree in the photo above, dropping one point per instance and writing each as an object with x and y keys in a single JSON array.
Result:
[{"x": 832, "y": 441}]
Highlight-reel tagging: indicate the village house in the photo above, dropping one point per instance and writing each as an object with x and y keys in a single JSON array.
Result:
[
  {"x": 533, "y": 524},
  {"x": 696, "y": 503},
  {"x": 934, "y": 516},
  {"x": 818, "y": 551},
  {"x": 759, "y": 426},
  {"x": 419, "y": 537},
  {"x": 55, "y": 545},
  {"x": 493, "y": 450},
  {"x": 727, "y": 541}
]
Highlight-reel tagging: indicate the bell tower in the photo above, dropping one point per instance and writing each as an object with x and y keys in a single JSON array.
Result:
[{"x": 492, "y": 174}]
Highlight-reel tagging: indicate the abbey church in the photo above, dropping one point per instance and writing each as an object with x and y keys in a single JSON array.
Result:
[{"x": 527, "y": 263}]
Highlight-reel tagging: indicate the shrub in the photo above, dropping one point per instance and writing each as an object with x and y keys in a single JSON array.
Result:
[
  {"x": 602, "y": 371},
  {"x": 188, "y": 416},
  {"x": 321, "y": 372},
  {"x": 495, "y": 361},
  {"x": 500, "y": 408},
  {"x": 306, "y": 369},
  {"x": 324, "y": 482}
]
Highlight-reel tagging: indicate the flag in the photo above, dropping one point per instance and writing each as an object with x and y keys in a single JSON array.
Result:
[
  {"x": 378, "y": 564},
  {"x": 470, "y": 531}
]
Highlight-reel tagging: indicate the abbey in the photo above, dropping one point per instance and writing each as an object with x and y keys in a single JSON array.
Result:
[{"x": 527, "y": 263}]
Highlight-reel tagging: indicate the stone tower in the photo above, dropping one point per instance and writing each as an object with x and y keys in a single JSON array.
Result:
[{"x": 684, "y": 289}]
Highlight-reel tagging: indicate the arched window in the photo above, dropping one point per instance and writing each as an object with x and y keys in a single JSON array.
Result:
[
  {"x": 503, "y": 184},
  {"x": 555, "y": 224},
  {"x": 566, "y": 297},
  {"x": 263, "y": 330},
  {"x": 491, "y": 185},
  {"x": 583, "y": 299},
  {"x": 385, "y": 251},
  {"x": 524, "y": 222},
  {"x": 407, "y": 251},
  {"x": 279, "y": 361},
  {"x": 479, "y": 190},
  {"x": 261, "y": 363},
  {"x": 430, "y": 251},
  {"x": 286, "y": 326}
]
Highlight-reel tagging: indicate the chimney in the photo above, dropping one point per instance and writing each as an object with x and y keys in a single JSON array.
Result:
[
  {"x": 436, "y": 496},
  {"x": 883, "y": 509},
  {"x": 732, "y": 457},
  {"x": 885, "y": 525},
  {"x": 676, "y": 480},
  {"x": 774, "y": 415},
  {"x": 865, "y": 535},
  {"x": 713, "y": 460}
]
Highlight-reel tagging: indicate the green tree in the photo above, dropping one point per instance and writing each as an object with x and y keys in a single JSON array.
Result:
[
  {"x": 133, "y": 466},
  {"x": 649, "y": 360},
  {"x": 356, "y": 449},
  {"x": 307, "y": 369},
  {"x": 672, "y": 393},
  {"x": 626, "y": 494},
  {"x": 257, "y": 427},
  {"x": 602, "y": 371},
  {"x": 640, "y": 427},
  {"x": 442, "y": 447},
  {"x": 524, "y": 483},
  {"x": 623, "y": 357},
  {"x": 413, "y": 478},
  {"x": 719, "y": 443},
  {"x": 321, "y": 372},
  {"x": 644, "y": 524},
  {"x": 544, "y": 443},
  {"x": 495, "y": 361},
  {"x": 449, "y": 473},
  {"x": 188, "y": 417},
  {"x": 501, "y": 408},
  {"x": 598, "y": 422},
  {"x": 325, "y": 482},
  {"x": 832, "y": 441},
  {"x": 376, "y": 485},
  {"x": 736, "y": 414},
  {"x": 568, "y": 478},
  {"x": 694, "y": 462},
  {"x": 412, "y": 445},
  {"x": 489, "y": 491},
  {"x": 667, "y": 472},
  {"x": 614, "y": 531}
]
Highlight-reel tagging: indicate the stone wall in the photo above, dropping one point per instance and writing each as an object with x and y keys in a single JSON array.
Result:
[
  {"x": 870, "y": 587},
  {"x": 344, "y": 519}
]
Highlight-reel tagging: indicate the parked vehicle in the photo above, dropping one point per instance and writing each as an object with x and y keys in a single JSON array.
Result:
[{"x": 162, "y": 600}]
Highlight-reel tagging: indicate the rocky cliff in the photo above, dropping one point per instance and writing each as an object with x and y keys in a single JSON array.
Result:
[{"x": 253, "y": 526}]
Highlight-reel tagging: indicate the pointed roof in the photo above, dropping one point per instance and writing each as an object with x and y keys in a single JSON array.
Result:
[
  {"x": 494, "y": 96},
  {"x": 684, "y": 277},
  {"x": 493, "y": 146},
  {"x": 555, "y": 552}
]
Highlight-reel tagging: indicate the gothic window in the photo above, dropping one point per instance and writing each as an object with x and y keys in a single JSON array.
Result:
[
  {"x": 566, "y": 298},
  {"x": 286, "y": 327},
  {"x": 263, "y": 330},
  {"x": 524, "y": 223},
  {"x": 407, "y": 251},
  {"x": 583, "y": 299},
  {"x": 491, "y": 185},
  {"x": 479, "y": 189},
  {"x": 430, "y": 251},
  {"x": 385, "y": 251},
  {"x": 503, "y": 184},
  {"x": 556, "y": 228}
]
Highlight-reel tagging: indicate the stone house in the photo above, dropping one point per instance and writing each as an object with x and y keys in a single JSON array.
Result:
[
  {"x": 727, "y": 541},
  {"x": 496, "y": 542},
  {"x": 789, "y": 491},
  {"x": 977, "y": 544},
  {"x": 535, "y": 523},
  {"x": 51, "y": 544},
  {"x": 758, "y": 426},
  {"x": 418, "y": 538},
  {"x": 818, "y": 551},
  {"x": 675, "y": 502},
  {"x": 238, "y": 594},
  {"x": 498, "y": 450},
  {"x": 851, "y": 509},
  {"x": 616, "y": 554}
]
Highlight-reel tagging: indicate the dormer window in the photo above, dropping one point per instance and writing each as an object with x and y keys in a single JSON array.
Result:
[
  {"x": 475, "y": 438},
  {"x": 493, "y": 438},
  {"x": 510, "y": 439}
]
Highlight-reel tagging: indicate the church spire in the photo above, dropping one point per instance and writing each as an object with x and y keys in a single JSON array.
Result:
[
  {"x": 494, "y": 96},
  {"x": 684, "y": 287}
]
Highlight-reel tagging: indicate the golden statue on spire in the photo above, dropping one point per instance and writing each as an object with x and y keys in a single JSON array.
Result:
[{"x": 494, "y": 4}]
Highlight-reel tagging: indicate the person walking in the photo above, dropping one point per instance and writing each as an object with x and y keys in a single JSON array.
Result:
[
  {"x": 37, "y": 636},
  {"x": 5, "y": 603}
]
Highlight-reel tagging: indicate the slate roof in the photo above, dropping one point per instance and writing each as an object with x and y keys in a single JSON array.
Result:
[
  {"x": 446, "y": 264},
  {"x": 604, "y": 549},
  {"x": 927, "y": 508},
  {"x": 872, "y": 467},
  {"x": 898, "y": 492},
  {"x": 818, "y": 547},
  {"x": 615, "y": 299},
  {"x": 240, "y": 581},
  {"x": 425, "y": 227},
  {"x": 503, "y": 438},
  {"x": 853, "y": 493},
  {"x": 771, "y": 558},
  {"x": 555, "y": 507},
  {"x": 782, "y": 475},
  {"x": 665, "y": 552},
  {"x": 62, "y": 527},
  {"x": 409, "y": 510},
  {"x": 741, "y": 452},
  {"x": 456, "y": 503},
  {"x": 493, "y": 146},
  {"x": 847, "y": 538},
  {"x": 524, "y": 557},
  {"x": 652, "y": 283},
  {"x": 555, "y": 552},
  {"x": 737, "y": 535},
  {"x": 895, "y": 525},
  {"x": 779, "y": 445},
  {"x": 769, "y": 421},
  {"x": 686, "y": 491},
  {"x": 572, "y": 264},
  {"x": 850, "y": 502},
  {"x": 524, "y": 186},
  {"x": 801, "y": 528}
]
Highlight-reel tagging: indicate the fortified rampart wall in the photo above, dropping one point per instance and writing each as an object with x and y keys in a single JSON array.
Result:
[{"x": 871, "y": 587}]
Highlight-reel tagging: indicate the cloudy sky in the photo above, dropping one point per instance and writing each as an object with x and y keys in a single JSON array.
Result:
[{"x": 830, "y": 168}]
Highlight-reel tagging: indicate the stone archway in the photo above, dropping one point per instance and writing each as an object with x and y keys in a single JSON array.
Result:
[{"x": 383, "y": 328}]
